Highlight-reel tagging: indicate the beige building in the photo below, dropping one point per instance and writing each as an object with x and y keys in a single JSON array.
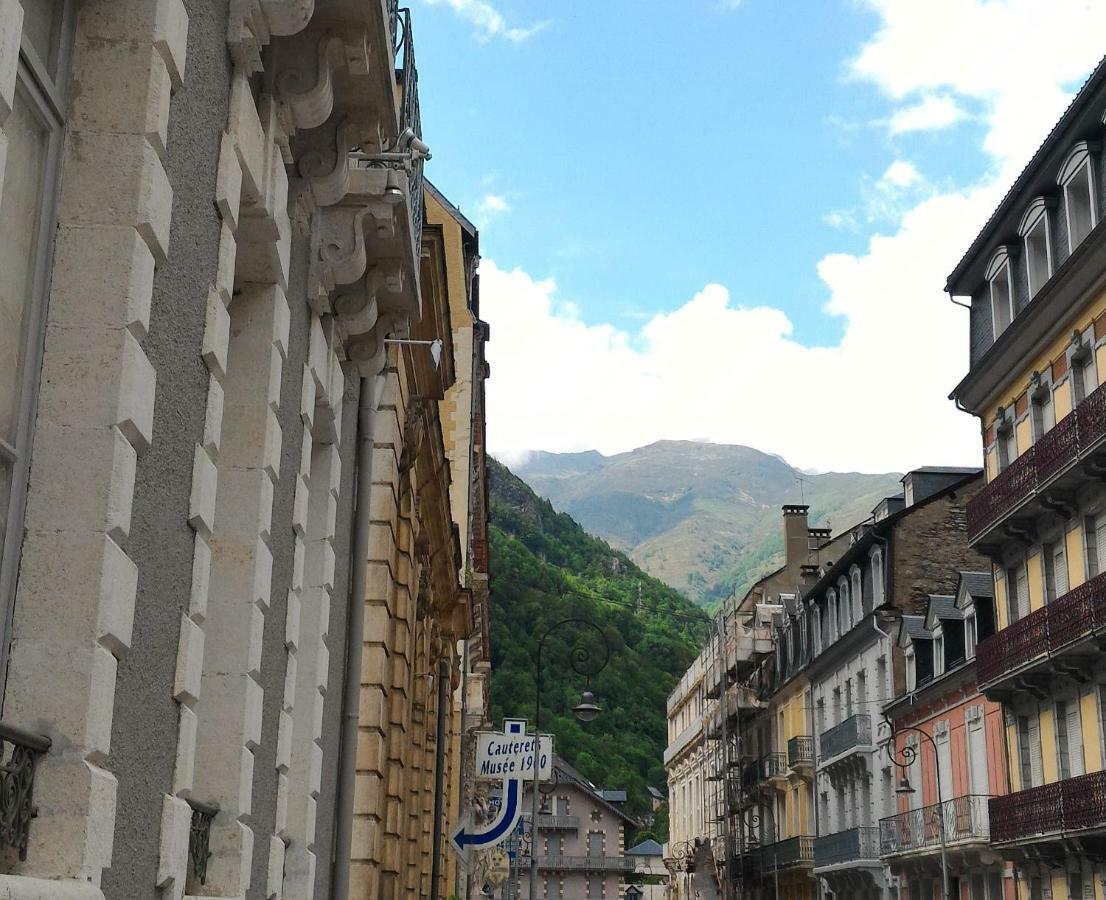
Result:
[{"x": 243, "y": 574}]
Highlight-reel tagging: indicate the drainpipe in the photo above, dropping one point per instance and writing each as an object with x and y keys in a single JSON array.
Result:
[
  {"x": 355, "y": 633},
  {"x": 439, "y": 781}
]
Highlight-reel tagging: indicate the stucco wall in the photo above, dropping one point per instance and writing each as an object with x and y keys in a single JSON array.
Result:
[{"x": 144, "y": 729}]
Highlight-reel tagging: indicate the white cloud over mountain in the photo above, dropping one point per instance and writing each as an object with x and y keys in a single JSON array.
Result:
[{"x": 877, "y": 399}]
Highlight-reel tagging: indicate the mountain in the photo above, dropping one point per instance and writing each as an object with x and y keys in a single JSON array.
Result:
[
  {"x": 704, "y": 518},
  {"x": 544, "y": 569}
]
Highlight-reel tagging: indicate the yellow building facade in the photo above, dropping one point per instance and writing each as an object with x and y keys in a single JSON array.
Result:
[{"x": 1035, "y": 282}]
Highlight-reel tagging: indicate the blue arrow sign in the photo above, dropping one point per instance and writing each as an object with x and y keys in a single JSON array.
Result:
[{"x": 510, "y": 810}]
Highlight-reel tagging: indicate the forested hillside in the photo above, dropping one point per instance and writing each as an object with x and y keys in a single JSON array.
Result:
[{"x": 545, "y": 568}]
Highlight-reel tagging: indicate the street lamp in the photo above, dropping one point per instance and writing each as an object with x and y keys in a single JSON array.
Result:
[
  {"x": 586, "y": 710},
  {"x": 633, "y": 892},
  {"x": 904, "y": 758}
]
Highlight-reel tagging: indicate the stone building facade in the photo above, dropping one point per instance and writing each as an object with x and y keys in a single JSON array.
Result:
[{"x": 241, "y": 459}]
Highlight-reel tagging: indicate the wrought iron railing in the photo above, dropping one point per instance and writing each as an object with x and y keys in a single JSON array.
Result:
[
  {"x": 964, "y": 818},
  {"x": 855, "y": 731},
  {"x": 393, "y": 17},
  {"x": 1047, "y": 630},
  {"x": 1071, "y": 805},
  {"x": 19, "y": 751},
  {"x": 790, "y": 852},
  {"x": 772, "y": 764},
  {"x": 852, "y": 845},
  {"x": 550, "y": 822},
  {"x": 199, "y": 838},
  {"x": 800, "y": 750},
  {"x": 587, "y": 863},
  {"x": 1072, "y": 438},
  {"x": 410, "y": 117}
]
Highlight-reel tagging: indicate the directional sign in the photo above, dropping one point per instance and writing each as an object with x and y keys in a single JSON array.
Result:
[
  {"x": 506, "y": 755},
  {"x": 505, "y": 821}
]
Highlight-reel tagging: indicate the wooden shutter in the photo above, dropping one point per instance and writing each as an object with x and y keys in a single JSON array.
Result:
[
  {"x": 1100, "y": 541},
  {"x": 1035, "y": 765},
  {"x": 1060, "y": 568},
  {"x": 977, "y": 758},
  {"x": 1075, "y": 737},
  {"x": 1090, "y": 544},
  {"x": 944, "y": 761},
  {"x": 1023, "y": 591},
  {"x": 1025, "y": 770}
]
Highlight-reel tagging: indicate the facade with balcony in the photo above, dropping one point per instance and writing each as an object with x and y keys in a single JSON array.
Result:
[
  {"x": 1036, "y": 279},
  {"x": 954, "y": 779}
]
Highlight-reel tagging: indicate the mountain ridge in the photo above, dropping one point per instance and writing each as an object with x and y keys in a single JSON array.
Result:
[{"x": 702, "y": 517}]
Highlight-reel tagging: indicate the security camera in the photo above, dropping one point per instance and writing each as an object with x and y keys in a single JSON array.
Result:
[
  {"x": 408, "y": 141},
  {"x": 420, "y": 148}
]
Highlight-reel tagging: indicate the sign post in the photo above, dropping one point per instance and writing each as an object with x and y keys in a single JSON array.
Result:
[{"x": 509, "y": 757}]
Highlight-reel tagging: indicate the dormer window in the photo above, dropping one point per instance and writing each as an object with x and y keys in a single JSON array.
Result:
[
  {"x": 1077, "y": 180},
  {"x": 1001, "y": 290},
  {"x": 938, "y": 652},
  {"x": 1034, "y": 231}
]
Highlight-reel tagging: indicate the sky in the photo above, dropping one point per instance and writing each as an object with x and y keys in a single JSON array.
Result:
[{"x": 732, "y": 220}]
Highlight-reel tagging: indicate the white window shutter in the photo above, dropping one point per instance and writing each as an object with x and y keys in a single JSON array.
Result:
[
  {"x": 1075, "y": 738},
  {"x": 1100, "y": 542},
  {"x": 1023, "y": 591},
  {"x": 1035, "y": 766},
  {"x": 1090, "y": 543},
  {"x": 977, "y": 759},
  {"x": 1060, "y": 566}
]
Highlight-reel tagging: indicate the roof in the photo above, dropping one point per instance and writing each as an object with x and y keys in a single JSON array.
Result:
[
  {"x": 562, "y": 766},
  {"x": 942, "y": 470},
  {"x": 613, "y": 796},
  {"x": 647, "y": 847},
  {"x": 913, "y": 627},
  {"x": 653, "y": 792},
  {"x": 1048, "y": 145},
  {"x": 452, "y": 209},
  {"x": 977, "y": 584},
  {"x": 943, "y": 606}
]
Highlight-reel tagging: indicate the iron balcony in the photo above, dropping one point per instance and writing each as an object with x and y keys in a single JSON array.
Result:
[
  {"x": 549, "y": 822},
  {"x": 586, "y": 863},
  {"x": 965, "y": 821},
  {"x": 860, "y": 844},
  {"x": 852, "y": 735},
  {"x": 1045, "y": 474},
  {"x": 795, "y": 851},
  {"x": 1058, "y": 811},
  {"x": 800, "y": 751}
]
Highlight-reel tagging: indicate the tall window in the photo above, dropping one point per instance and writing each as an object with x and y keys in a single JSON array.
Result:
[
  {"x": 1077, "y": 180},
  {"x": 1001, "y": 290},
  {"x": 1056, "y": 570},
  {"x": 1017, "y": 592},
  {"x": 1044, "y": 413},
  {"x": 1006, "y": 445},
  {"x": 877, "y": 578},
  {"x": 1038, "y": 245},
  {"x": 1094, "y": 543},
  {"x": 1084, "y": 378},
  {"x": 33, "y": 131},
  {"x": 1069, "y": 738}
]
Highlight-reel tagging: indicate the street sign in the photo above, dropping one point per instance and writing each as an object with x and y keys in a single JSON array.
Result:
[
  {"x": 518, "y": 768},
  {"x": 506, "y": 755}
]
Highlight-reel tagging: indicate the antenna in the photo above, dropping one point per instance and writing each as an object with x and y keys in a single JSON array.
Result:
[{"x": 802, "y": 493}]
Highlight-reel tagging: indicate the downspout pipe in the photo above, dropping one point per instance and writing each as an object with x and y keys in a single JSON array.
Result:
[
  {"x": 355, "y": 634},
  {"x": 439, "y": 780}
]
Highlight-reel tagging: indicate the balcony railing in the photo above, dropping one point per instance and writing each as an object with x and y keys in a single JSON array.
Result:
[
  {"x": 550, "y": 822},
  {"x": 800, "y": 750},
  {"x": 20, "y": 751},
  {"x": 853, "y": 845},
  {"x": 410, "y": 117},
  {"x": 794, "y": 851},
  {"x": 199, "y": 838},
  {"x": 587, "y": 863},
  {"x": 1044, "y": 631},
  {"x": 855, "y": 731},
  {"x": 1074, "y": 437},
  {"x": 964, "y": 818},
  {"x": 1071, "y": 805},
  {"x": 772, "y": 765}
]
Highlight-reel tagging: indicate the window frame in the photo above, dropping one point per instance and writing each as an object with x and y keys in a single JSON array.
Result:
[
  {"x": 1000, "y": 265},
  {"x": 1080, "y": 157},
  {"x": 1035, "y": 215},
  {"x": 46, "y": 98}
]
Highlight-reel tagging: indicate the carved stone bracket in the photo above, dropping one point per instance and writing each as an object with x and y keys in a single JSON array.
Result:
[
  {"x": 306, "y": 70},
  {"x": 338, "y": 252},
  {"x": 252, "y": 23}
]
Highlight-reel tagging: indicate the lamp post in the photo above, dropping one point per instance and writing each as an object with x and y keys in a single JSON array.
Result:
[
  {"x": 586, "y": 710},
  {"x": 751, "y": 820},
  {"x": 903, "y": 758}
]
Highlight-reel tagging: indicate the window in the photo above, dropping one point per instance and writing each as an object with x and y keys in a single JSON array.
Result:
[
  {"x": 938, "y": 652},
  {"x": 1017, "y": 592},
  {"x": 969, "y": 635},
  {"x": 857, "y": 591},
  {"x": 33, "y": 131},
  {"x": 1001, "y": 292},
  {"x": 877, "y": 578},
  {"x": 1044, "y": 413},
  {"x": 1038, "y": 244},
  {"x": 1069, "y": 738},
  {"x": 831, "y": 608},
  {"x": 817, "y": 628},
  {"x": 1006, "y": 445},
  {"x": 1094, "y": 543},
  {"x": 911, "y": 670},
  {"x": 1055, "y": 570},
  {"x": 1084, "y": 378},
  {"x": 1077, "y": 180},
  {"x": 1029, "y": 751}
]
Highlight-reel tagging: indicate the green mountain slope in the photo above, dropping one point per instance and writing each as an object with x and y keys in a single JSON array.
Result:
[
  {"x": 545, "y": 568},
  {"x": 704, "y": 518}
]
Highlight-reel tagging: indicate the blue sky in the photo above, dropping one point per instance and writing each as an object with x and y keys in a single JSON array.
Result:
[{"x": 675, "y": 196}]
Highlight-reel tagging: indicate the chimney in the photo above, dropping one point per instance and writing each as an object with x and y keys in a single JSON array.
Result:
[{"x": 795, "y": 537}]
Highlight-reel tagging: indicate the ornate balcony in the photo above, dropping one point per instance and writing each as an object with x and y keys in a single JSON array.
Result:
[
  {"x": 586, "y": 863},
  {"x": 1058, "y": 810},
  {"x": 19, "y": 751},
  {"x": 796, "y": 851},
  {"x": 852, "y": 735},
  {"x": 410, "y": 116},
  {"x": 965, "y": 821},
  {"x": 1050, "y": 640},
  {"x": 1046, "y": 471},
  {"x": 550, "y": 822},
  {"x": 855, "y": 845},
  {"x": 800, "y": 751}
]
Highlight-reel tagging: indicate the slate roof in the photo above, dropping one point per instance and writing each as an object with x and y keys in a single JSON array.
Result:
[
  {"x": 613, "y": 796},
  {"x": 914, "y": 628},
  {"x": 978, "y": 584},
  {"x": 654, "y": 793},
  {"x": 942, "y": 606},
  {"x": 647, "y": 847},
  {"x": 568, "y": 771}
]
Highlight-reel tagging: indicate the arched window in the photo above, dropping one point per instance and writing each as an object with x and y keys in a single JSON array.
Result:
[
  {"x": 831, "y": 609},
  {"x": 1001, "y": 289},
  {"x": 1077, "y": 180},
  {"x": 877, "y": 577},
  {"x": 858, "y": 591}
]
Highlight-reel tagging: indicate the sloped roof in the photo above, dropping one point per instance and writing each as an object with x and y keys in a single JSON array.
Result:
[
  {"x": 653, "y": 792},
  {"x": 978, "y": 584},
  {"x": 647, "y": 847},
  {"x": 941, "y": 607},
  {"x": 913, "y": 629},
  {"x": 572, "y": 775}
]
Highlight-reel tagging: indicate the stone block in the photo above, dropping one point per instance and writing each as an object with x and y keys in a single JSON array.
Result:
[
  {"x": 255, "y": 702},
  {"x": 117, "y": 179},
  {"x": 308, "y": 392},
  {"x": 284, "y": 742},
  {"x": 162, "y": 23},
  {"x": 216, "y": 340},
  {"x": 83, "y": 479},
  {"x": 298, "y": 554},
  {"x": 256, "y": 643},
  {"x": 201, "y": 579},
  {"x": 103, "y": 277},
  {"x": 190, "y": 662},
  {"x": 280, "y": 823},
  {"x": 290, "y": 669},
  {"x": 172, "y": 864},
  {"x": 224, "y": 272},
  {"x": 185, "y": 766},
  {"x": 213, "y": 417},
  {"x": 98, "y": 376},
  {"x": 243, "y": 568},
  {"x": 299, "y": 508},
  {"x": 249, "y": 138},
  {"x": 228, "y": 869},
  {"x": 276, "y": 368},
  {"x": 275, "y": 884},
  {"x": 245, "y": 505},
  {"x": 228, "y": 182},
  {"x": 125, "y": 89},
  {"x": 292, "y": 622},
  {"x": 202, "y": 500},
  {"x": 315, "y": 772}
]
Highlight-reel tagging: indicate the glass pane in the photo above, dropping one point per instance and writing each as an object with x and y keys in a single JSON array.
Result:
[
  {"x": 42, "y": 27},
  {"x": 20, "y": 212},
  {"x": 1077, "y": 193}
]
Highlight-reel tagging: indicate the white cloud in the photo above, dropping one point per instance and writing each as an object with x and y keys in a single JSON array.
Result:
[
  {"x": 877, "y": 398},
  {"x": 489, "y": 207},
  {"x": 489, "y": 21},
  {"x": 931, "y": 113}
]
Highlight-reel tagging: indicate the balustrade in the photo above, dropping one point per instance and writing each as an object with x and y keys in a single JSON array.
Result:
[
  {"x": 800, "y": 750},
  {"x": 20, "y": 751},
  {"x": 789, "y": 852},
  {"x": 199, "y": 838},
  {"x": 855, "y": 731},
  {"x": 852, "y": 845},
  {"x": 964, "y": 819}
]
